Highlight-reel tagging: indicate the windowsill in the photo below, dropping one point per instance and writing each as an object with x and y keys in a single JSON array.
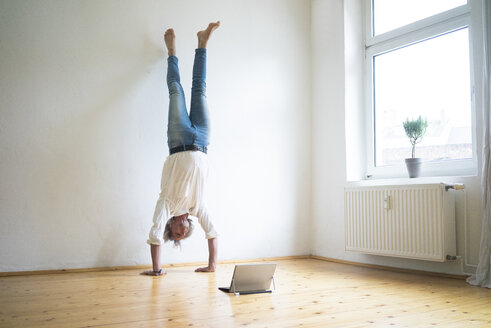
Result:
[
  {"x": 430, "y": 171},
  {"x": 409, "y": 181}
]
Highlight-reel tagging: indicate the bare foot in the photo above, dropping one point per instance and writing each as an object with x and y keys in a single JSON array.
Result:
[
  {"x": 153, "y": 273},
  {"x": 170, "y": 42},
  {"x": 204, "y": 35}
]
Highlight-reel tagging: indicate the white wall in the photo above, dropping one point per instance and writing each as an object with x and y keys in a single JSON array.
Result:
[
  {"x": 328, "y": 120},
  {"x": 338, "y": 119},
  {"x": 83, "y": 123}
]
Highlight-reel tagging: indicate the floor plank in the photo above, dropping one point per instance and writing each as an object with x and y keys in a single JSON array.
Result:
[{"x": 310, "y": 293}]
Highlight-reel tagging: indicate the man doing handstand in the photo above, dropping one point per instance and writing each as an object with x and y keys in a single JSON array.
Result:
[{"x": 186, "y": 168}]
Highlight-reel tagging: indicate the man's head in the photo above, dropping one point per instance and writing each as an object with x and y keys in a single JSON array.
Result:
[{"x": 178, "y": 228}]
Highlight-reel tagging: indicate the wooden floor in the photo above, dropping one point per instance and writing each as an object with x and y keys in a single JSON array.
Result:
[{"x": 310, "y": 293}]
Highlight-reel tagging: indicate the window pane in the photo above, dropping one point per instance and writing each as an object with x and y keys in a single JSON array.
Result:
[
  {"x": 431, "y": 79},
  {"x": 391, "y": 14}
]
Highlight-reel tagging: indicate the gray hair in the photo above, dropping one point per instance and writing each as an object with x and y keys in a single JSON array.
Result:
[{"x": 168, "y": 232}]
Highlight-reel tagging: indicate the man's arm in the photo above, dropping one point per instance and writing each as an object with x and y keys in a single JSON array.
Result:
[
  {"x": 155, "y": 252},
  {"x": 211, "y": 235},
  {"x": 161, "y": 214},
  {"x": 157, "y": 269},
  {"x": 212, "y": 259}
]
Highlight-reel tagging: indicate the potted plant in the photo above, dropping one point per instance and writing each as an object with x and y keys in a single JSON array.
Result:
[{"x": 415, "y": 130}]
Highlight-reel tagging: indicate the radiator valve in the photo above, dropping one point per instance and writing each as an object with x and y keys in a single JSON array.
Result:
[{"x": 456, "y": 186}]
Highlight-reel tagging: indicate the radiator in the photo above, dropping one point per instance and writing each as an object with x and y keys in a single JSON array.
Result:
[{"x": 408, "y": 221}]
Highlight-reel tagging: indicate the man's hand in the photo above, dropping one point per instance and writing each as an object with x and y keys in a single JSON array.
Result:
[
  {"x": 205, "y": 269},
  {"x": 154, "y": 273}
]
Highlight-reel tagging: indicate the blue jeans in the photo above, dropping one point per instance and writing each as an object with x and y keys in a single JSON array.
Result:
[{"x": 184, "y": 129}]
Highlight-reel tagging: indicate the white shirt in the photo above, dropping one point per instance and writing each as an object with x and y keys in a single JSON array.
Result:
[{"x": 182, "y": 191}]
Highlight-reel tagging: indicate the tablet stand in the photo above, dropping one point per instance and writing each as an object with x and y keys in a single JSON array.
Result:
[{"x": 254, "y": 292}]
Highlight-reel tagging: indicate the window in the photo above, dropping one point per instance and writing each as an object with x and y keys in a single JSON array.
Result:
[
  {"x": 418, "y": 64},
  {"x": 391, "y": 14}
]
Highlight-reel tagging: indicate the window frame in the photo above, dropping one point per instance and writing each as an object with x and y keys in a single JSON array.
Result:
[{"x": 424, "y": 29}]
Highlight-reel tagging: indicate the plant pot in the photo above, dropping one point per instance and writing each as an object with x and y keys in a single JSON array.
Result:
[{"x": 414, "y": 166}]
